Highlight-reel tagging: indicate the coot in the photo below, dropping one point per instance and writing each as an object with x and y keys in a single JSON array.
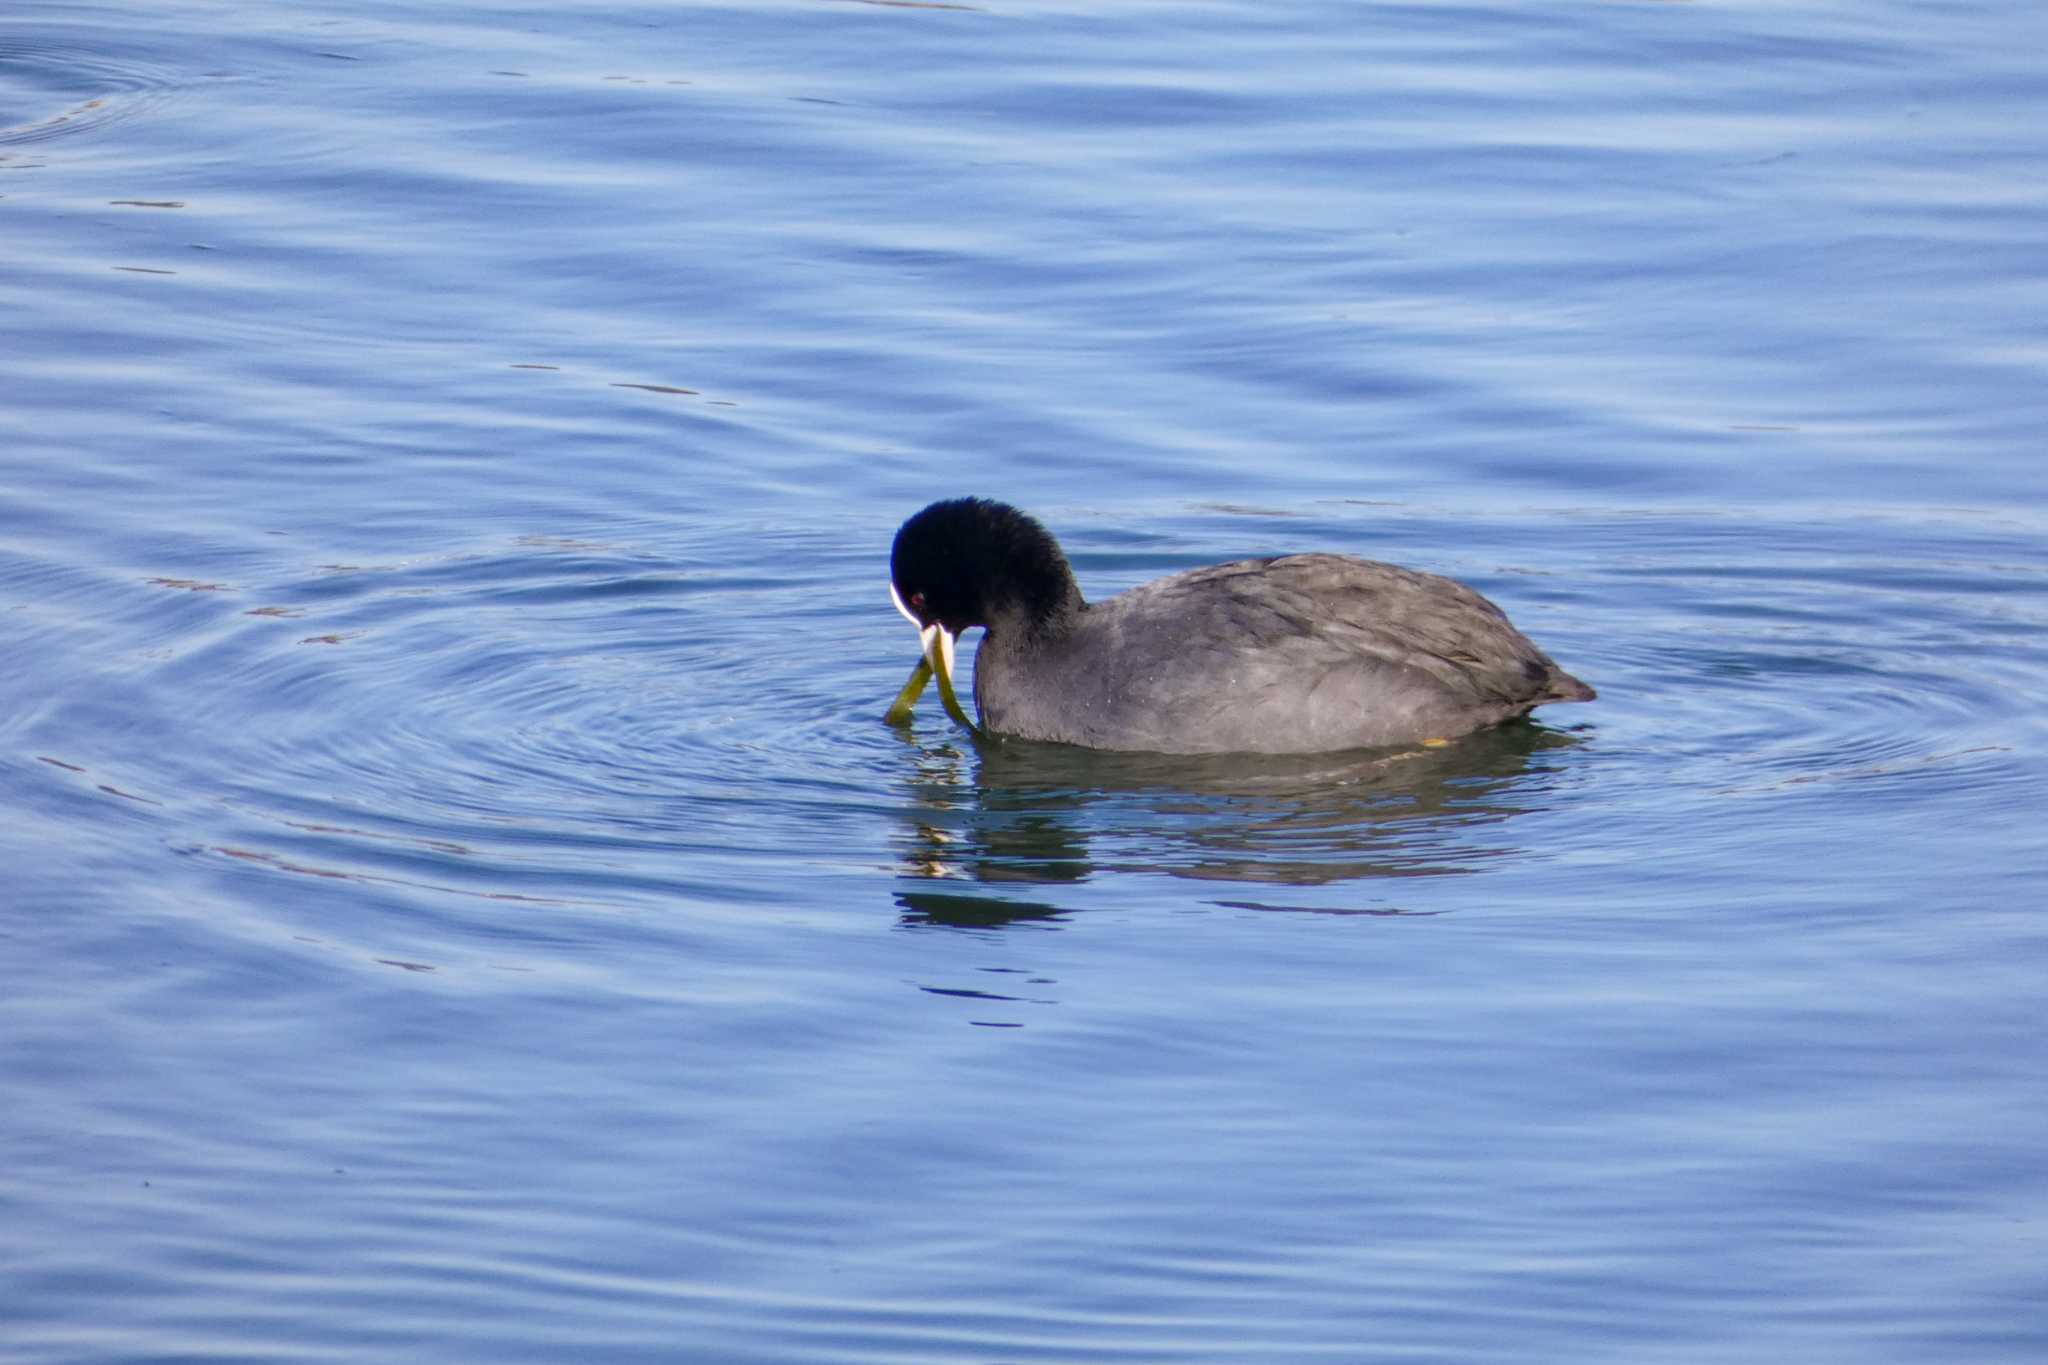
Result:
[{"x": 1292, "y": 654}]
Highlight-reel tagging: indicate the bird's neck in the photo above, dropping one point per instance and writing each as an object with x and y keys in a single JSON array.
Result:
[{"x": 1046, "y": 614}]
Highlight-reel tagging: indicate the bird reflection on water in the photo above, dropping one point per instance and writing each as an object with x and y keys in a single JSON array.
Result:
[{"x": 1019, "y": 814}]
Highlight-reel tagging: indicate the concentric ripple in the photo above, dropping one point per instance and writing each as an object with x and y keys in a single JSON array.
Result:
[
  {"x": 52, "y": 90},
  {"x": 581, "y": 724}
]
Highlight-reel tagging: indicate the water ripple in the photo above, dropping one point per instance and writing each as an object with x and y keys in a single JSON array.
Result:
[{"x": 62, "y": 90}]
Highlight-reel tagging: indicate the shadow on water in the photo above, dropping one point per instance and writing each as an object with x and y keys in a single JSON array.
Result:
[{"x": 1021, "y": 814}]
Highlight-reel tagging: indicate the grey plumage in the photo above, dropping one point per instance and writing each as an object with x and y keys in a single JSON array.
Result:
[{"x": 1294, "y": 654}]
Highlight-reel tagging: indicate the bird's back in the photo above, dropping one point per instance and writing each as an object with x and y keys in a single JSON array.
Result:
[{"x": 1300, "y": 653}]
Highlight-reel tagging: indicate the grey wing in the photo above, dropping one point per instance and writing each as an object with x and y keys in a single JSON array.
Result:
[
  {"x": 1330, "y": 651},
  {"x": 1358, "y": 610}
]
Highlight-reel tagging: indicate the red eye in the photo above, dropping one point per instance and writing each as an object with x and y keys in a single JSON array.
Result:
[{"x": 917, "y": 601}]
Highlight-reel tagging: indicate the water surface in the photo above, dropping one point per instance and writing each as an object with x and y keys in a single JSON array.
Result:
[{"x": 463, "y": 903}]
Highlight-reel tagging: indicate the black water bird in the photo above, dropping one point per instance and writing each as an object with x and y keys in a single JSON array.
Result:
[{"x": 1301, "y": 653}]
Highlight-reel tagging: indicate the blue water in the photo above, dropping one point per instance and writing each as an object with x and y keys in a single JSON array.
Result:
[{"x": 462, "y": 904}]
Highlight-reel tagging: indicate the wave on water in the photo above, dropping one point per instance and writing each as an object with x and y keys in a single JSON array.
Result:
[{"x": 53, "y": 90}]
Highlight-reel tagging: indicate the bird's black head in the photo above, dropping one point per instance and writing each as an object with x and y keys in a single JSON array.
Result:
[{"x": 971, "y": 562}]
